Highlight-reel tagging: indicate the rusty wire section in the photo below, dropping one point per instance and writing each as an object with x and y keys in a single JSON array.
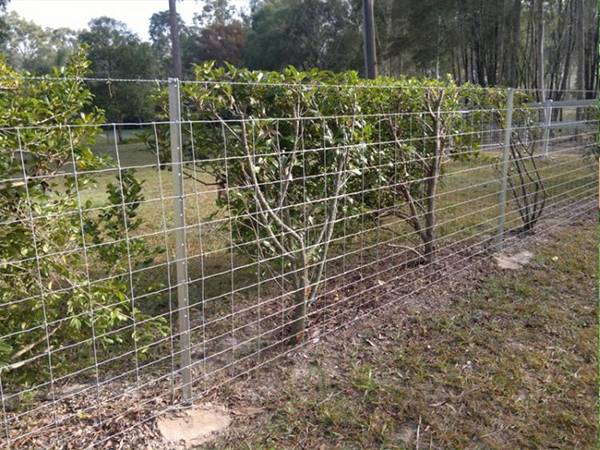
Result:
[{"x": 211, "y": 266}]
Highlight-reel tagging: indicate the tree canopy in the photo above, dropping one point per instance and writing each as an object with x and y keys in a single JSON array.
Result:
[
  {"x": 34, "y": 48},
  {"x": 302, "y": 33},
  {"x": 116, "y": 52},
  {"x": 486, "y": 43}
]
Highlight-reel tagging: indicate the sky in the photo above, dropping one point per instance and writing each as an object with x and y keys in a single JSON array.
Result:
[{"x": 77, "y": 13}]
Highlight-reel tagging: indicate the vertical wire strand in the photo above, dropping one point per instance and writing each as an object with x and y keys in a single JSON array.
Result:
[
  {"x": 346, "y": 201},
  {"x": 128, "y": 248},
  {"x": 38, "y": 276},
  {"x": 256, "y": 309},
  {"x": 200, "y": 220},
  {"x": 395, "y": 180},
  {"x": 364, "y": 212},
  {"x": 231, "y": 240},
  {"x": 204, "y": 361},
  {"x": 282, "y": 260},
  {"x": 86, "y": 262},
  {"x": 379, "y": 193},
  {"x": 305, "y": 229},
  {"x": 4, "y": 413},
  {"x": 258, "y": 264},
  {"x": 326, "y": 193},
  {"x": 164, "y": 227}
]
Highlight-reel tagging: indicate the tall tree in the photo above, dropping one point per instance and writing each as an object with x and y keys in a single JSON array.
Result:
[
  {"x": 30, "y": 47},
  {"x": 219, "y": 34},
  {"x": 494, "y": 43},
  {"x": 216, "y": 11},
  {"x": 160, "y": 37},
  {"x": 580, "y": 45},
  {"x": 541, "y": 69},
  {"x": 418, "y": 38},
  {"x": 116, "y": 52},
  {"x": 515, "y": 42},
  {"x": 218, "y": 41},
  {"x": 370, "y": 47},
  {"x": 3, "y": 34},
  {"x": 591, "y": 48},
  {"x": 302, "y": 33}
]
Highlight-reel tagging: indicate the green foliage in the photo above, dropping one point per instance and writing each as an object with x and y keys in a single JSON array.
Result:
[
  {"x": 306, "y": 155},
  {"x": 216, "y": 11},
  {"x": 218, "y": 33},
  {"x": 305, "y": 34},
  {"x": 3, "y": 27},
  {"x": 30, "y": 47},
  {"x": 218, "y": 41},
  {"x": 54, "y": 296},
  {"x": 428, "y": 131},
  {"x": 160, "y": 37},
  {"x": 286, "y": 177},
  {"x": 116, "y": 52}
]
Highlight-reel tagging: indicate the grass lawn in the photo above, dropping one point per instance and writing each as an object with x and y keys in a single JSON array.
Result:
[
  {"x": 467, "y": 198},
  {"x": 511, "y": 364}
]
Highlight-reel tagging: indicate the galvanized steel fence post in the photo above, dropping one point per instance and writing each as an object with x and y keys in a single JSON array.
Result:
[
  {"x": 505, "y": 161},
  {"x": 180, "y": 239},
  {"x": 547, "y": 123}
]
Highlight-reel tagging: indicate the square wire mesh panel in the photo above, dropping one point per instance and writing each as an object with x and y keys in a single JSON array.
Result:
[{"x": 146, "y": 264}]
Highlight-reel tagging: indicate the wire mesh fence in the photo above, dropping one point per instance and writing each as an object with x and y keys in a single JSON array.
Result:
[{"x": 146, "y": 264}]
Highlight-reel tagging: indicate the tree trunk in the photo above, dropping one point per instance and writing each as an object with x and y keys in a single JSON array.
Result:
[
  {"x": 369, "y": 39},
  {"x": 301, "y": 296},
  {"x": 429, "y": 232},
  {"x": 515, "y": 42},
  {"x": 540, "y": 51},
  {"x": 175, "y": 43},
  {"x": 591, "y": 72},
  {"x": 432, "y": 184},
  {"x": 580, "y": 46}
]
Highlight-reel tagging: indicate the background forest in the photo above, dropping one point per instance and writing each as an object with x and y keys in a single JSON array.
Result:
[{"x": 485, "y": 42}]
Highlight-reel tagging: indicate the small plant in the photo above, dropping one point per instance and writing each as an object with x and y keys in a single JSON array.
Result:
[
  {"x": 524, "y": 179},
  {"x": 526, "y": 183}
]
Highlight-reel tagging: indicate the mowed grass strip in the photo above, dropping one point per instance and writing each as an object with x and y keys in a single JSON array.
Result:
[{"x": 511, "y": 365}]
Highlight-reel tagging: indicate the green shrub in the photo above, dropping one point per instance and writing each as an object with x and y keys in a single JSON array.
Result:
[
  {"x": 307, "y": 155},
  {"x": 50, "y": 313}
]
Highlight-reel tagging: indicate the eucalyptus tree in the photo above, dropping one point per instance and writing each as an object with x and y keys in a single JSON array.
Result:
[
  {"x": 3, "y": 4},
  {"x": 30, "y": 47},
  {"x": 160, "y": 37},
  {"x": 219, "y": 34}
]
